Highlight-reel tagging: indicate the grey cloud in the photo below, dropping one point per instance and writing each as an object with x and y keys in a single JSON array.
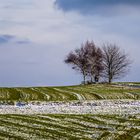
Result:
[
  {"x": 15, "y": 4},
  {"x": 52, "y": 34},
  {"x": 12, "y": 39},
  {"x": 5, "y": 38},
  {"x": 94, "y": 6},
  {"x": 26, "y": 41}
]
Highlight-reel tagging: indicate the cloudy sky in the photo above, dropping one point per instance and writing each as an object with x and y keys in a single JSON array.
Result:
[{"x": 36, "y": 35}]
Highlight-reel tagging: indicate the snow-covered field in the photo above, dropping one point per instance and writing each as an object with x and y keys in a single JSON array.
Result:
[
  {"x": 72, "y": 120},
  {"x": 75, "y": 107},
  {"x": 92, "y": 112}
]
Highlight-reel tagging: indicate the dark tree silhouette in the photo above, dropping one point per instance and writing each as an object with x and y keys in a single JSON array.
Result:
[
  {"x": 94, "y": 55},
  {"x": 98, "y": 64},
  {"x": 87, "y": 60},
  {"x": 78, "y": 60},
  {"x": 116, "y": 62}
]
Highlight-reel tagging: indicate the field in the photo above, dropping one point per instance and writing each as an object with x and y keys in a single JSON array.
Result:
[
  {"x": 73, "y": 127},
  {"x": 69, "y": 93},
  {"x": 91, "y": 112}
]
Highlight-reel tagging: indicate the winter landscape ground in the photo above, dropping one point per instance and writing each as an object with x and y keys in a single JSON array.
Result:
[{"x": 90, "y": 112}]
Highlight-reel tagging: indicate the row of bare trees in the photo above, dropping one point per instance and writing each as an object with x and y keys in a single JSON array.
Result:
[{"x": 93, "y": 62}]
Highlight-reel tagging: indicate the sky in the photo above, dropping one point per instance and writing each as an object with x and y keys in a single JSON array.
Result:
[{"x": 36, "y": 36}]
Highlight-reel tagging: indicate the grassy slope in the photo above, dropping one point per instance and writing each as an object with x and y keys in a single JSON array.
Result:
[
  {"x": 88, "y": 92},
  {"x": 71, "y": 127}
]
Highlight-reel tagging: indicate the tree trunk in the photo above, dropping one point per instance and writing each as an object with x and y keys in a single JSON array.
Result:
[
  {"x": 96, "y": 79},
  {"x": 91, "y": 79},
  {"x": 84, "y": 78},
  {"x": 109, "y": 80},
  {"x": 110, "y": 77}
]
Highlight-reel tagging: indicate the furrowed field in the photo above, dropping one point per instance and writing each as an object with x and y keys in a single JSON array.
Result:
[
  {"x": 115, "y": 112},
  {"x": 73, "y": 127},
  {"x": 89, "y": 92}
]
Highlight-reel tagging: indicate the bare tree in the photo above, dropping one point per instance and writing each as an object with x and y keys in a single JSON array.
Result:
[
  {"x": 78, "y": 60},
  {"x": 94, "y": 55},
  {"x": 87, "y": 60},
  {"x": 91, "y": 56},
  {"x": 115, "y": 62},
  {"x": 98, "y": 65}
]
